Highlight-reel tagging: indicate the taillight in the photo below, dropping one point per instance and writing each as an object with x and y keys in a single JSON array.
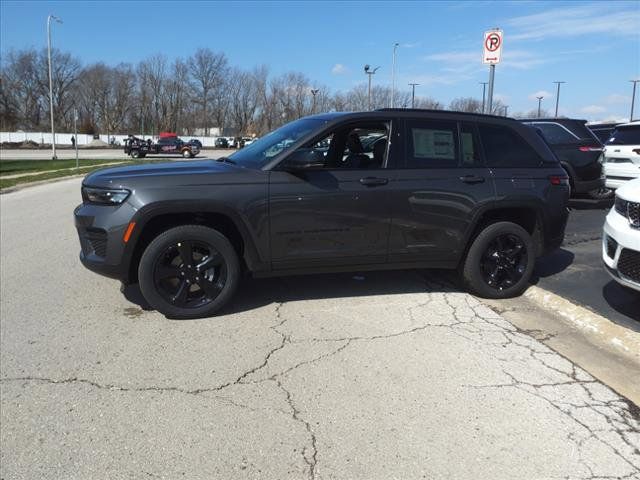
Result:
[
  {"x": 590, "y": 149},
  {"x": 559, "y": 180}
]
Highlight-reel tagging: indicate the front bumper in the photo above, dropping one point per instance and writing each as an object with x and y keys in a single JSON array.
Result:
[
  {"x": 621, "y": 250},
  {"x": 101, "y": 230}
]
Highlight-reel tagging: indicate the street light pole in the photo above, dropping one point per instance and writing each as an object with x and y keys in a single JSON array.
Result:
[
  {"x": 484, "y": 91},
  {"x": 314, "y": 92},
  {"x": 539, "y": 104},
  {"x": 53, "y": 130},
  {"x": 557, "y": 97},
  {"x": 633, "y": 98},
  {"x": 506, "y": 108},
  {"x": 368, "y": 71},
  {"x": 413, "y": 94},
  {"x": 393, "y": 75},
  {"x": 75, "y": 135}
]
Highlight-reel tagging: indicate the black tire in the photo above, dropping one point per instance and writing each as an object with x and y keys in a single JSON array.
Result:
[
  {"x": 187, "y": 154},
  {"x": 164, "y": 277},
  {"x": 601, "y": 193},
  {"x": 135, "y": 153},
  {"x": 490, "y": 274}
]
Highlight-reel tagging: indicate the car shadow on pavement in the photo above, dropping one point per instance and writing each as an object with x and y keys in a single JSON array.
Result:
[
  {"x": 552, "y": 264},
  {"x": 590, "y": 204},
  {"x": 258, "y": 292},
  {"x": 623, "y": 300}
]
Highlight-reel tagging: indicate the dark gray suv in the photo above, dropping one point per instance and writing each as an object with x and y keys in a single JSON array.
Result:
[{"x": 388, "y": 189}]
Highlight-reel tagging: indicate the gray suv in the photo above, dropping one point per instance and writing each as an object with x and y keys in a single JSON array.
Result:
[{"x": 389, "y": 189}]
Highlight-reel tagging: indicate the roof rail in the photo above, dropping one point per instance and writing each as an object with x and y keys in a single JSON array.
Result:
[{"x": 427, "y": 110}]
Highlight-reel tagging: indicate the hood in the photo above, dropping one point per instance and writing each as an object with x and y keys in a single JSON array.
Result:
[
  {"x": 167, "y": 174},
  {"x": 630, "y": 190}
]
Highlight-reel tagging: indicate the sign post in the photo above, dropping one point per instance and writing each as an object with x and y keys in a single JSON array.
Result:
[
  {"x": 75, "y": 133},
  {"x": 491, "y": 55}
]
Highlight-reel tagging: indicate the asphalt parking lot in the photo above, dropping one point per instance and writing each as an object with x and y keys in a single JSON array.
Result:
[
  {"x": 384, "y": 375},
  {"x": 575, "y": 271}
]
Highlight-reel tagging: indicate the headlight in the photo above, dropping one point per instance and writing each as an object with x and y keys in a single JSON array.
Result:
[{"x": 104, "y": 196}]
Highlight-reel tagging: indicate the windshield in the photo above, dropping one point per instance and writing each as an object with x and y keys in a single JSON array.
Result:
[
  {"x": 625, "y": 136},
  {"x": 261, "y": 151}
]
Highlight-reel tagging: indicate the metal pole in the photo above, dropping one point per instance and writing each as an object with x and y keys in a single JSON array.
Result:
[
  {"x": 314, "y": 92},
  {"x": 539, "y": 104},
  {"x": 506, "y": 109},
  {"x": 633, "y": 98},
  {"x": 75, "y": 135},
  {"x": 558, "y": 97},
  {"x": 484, "y": 91},
  {"x": 370, "y": 75},
  {"x": 413, "y": 94},
  {"x": 53, "y": 129},
  {"x": 492, "y": 73},
  {"x": 393, "y": 75}
]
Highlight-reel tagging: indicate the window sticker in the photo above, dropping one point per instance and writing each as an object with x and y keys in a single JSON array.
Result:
[{"x": 437, "y": 144}]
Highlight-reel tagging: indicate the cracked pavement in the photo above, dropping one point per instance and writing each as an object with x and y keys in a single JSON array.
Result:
[{"x": 376, "y": 376}]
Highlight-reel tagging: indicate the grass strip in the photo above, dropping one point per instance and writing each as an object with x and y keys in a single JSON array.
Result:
[
  {"x": 12, "y": 182},
  {"x": 9, "y": 167}
]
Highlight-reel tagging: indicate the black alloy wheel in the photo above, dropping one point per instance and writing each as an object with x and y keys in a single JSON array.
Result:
[
  {"x": 190, "y": 271},
  {"x": 504, "y": 262},
  {"x": 499, "y": 262},
  {"x": 190, "y": 274}
]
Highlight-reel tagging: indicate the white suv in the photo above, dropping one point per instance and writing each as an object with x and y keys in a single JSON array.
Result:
[
  {"x": 621, "y": 239},
  {"x": 621, "y": 155}
]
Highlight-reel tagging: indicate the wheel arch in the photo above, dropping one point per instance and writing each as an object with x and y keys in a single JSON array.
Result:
[{"x": 155, "y": 219}]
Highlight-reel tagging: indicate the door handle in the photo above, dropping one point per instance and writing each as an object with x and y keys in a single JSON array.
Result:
[
  {"x": 373, "y": 181},
  {"x": 472, "y": 179}
]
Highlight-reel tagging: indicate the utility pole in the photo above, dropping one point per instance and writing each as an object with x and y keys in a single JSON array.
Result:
[
  {"x": 53, "y": 129},
  {"x": 393, "y": 75},
  {"x": 633, "y": 98},
  {"x": 413, "y": 94},
  {"x": 484, "y": 91},
  {"x": 314, "y": 92},
  {"x": 75, "y": 135},
  {"x": 368, "y": 71},
  {"x": 539, "y": 104},
  {"x": 557, "y": 97},
  {"x": 506, "y": 108}
]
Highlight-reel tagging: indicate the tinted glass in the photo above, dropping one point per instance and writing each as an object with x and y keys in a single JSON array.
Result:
[
  {"x": 555, "y": 134},
  {"x": 470, "y": 146},
  {"x": 625, "y": 136},
  {"x": 431, "y": 144},
  {"x": 505, "y": 148}
]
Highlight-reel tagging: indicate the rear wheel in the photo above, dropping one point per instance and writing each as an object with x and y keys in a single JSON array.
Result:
[
  {"x": 189, "y": 271},
  {"x": 135, "y": 153},
  {"x": 187, "y": 154},
  {"x": 601, "y": 193},
  {"x": 499, "y": 262}
]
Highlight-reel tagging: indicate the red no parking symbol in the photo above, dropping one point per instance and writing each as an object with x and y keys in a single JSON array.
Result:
[{"x": 492, "y": 43}]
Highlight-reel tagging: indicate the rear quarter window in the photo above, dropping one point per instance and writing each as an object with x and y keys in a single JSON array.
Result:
[
  {"x": 625, "y": 136},
  {"x": 505, "y": 148}
]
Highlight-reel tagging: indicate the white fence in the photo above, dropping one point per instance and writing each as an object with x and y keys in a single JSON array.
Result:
[{"x": 83, "y": 139}]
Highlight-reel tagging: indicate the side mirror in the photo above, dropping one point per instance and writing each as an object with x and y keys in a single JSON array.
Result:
[{"x": 303, "y": 159}]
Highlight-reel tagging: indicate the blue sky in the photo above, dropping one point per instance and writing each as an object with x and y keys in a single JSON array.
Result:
[{"x": 593, "y": 46}]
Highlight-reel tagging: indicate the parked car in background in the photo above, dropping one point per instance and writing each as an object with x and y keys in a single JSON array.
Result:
[
  {"x": 621, "y": 155},
  {"x": 621, "y": 239},
  {"x": 578, "y": 150},
  {"x": 602, "y": 130},
  {"x": 222, "y": 142},
  {"x": 477, "y": 193},
  {"x": 247, "y": 141}
]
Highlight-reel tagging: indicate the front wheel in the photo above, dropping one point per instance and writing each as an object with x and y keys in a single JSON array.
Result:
[
  {"x": 135, "y": 154},
  {"x": 189, "y": 271},
  {"x": 187, "y": 154},
  {"x": 499, "y": 262}
]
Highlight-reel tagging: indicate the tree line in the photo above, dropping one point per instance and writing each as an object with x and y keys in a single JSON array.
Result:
[{"x": 189, "y": 96}]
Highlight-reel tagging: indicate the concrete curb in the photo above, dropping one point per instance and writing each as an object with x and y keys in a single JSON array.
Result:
[
  {"x": 620, "y": 338},
  {"x": 22, "y": 186}
]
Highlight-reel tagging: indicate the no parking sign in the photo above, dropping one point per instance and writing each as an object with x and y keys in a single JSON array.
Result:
[{"x": 492, "y": 47}]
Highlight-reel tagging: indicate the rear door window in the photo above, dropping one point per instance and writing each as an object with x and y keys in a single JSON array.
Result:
[
  {"x": 431, "y": 144},
  {"x": 625, "y": 136},
  {"x": 504, "y": 148}
]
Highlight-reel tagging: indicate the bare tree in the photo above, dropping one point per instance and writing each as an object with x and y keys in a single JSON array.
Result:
[
  {"x": 22, "y": 89},
  {"x": 208, "y": 72},
  {"x": 466, "y": 104}
]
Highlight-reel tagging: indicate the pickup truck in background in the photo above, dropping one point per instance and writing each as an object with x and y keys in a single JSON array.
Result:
[{"x": 168, "y": 144}]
